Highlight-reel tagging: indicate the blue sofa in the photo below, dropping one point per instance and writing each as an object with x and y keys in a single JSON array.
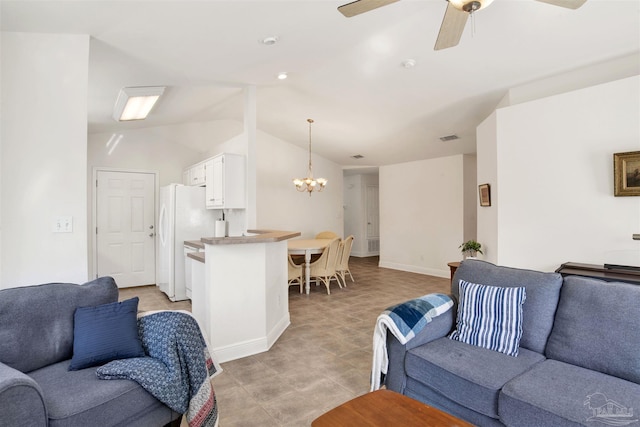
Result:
[
  {"x": 36, "y": 387},
  {"x": 578, "y": 361}
]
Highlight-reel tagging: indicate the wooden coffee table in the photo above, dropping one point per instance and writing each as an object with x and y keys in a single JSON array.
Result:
[{"x": 386, "y": 408}]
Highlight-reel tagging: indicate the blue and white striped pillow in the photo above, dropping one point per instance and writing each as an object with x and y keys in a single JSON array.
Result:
[{"x": 490, "y": 317}]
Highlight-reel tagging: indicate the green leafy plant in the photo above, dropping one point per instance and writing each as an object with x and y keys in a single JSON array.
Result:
[{"x": 470, "y": 247}]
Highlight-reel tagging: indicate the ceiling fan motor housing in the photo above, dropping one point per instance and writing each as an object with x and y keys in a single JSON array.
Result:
[{"x": 471, "y": 6}]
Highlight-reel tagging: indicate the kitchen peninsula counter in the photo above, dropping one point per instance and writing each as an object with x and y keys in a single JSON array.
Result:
[
  {"x": 195, "y": 244},
  {"x": 257, "y": 236},
  {"x": 243, "y": 306},
  {"x": 198, "y": 256}
]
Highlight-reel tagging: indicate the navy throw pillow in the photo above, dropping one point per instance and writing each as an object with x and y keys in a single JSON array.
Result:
[{"x": 104, "y": 333}]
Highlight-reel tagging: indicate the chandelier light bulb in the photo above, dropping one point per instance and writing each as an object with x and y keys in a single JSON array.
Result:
[{"x": 309, "y": 184}]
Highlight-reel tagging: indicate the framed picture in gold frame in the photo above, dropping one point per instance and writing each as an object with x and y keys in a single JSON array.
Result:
[
  {"x": 485, "y": 194},
  {"x": 626, "y": 174}
]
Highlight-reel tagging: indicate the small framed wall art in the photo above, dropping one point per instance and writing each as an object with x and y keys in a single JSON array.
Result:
[
  {"x": 485, "y": 194},
  {"x": 626, "y": 174}
]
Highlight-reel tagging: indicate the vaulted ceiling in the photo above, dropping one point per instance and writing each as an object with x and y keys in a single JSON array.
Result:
[{"x": 348, "y": 74}]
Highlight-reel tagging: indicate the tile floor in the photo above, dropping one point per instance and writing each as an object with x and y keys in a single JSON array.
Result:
[{"x": 323, "y": 358}]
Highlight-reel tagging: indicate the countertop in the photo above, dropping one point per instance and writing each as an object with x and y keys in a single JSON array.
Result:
[
  {"x": 198, "y": 256},
  {"x": 259, "y": 236},
  {"x": 196, "y": 244}
]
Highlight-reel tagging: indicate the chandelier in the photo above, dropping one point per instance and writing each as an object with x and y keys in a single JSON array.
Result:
[{"x": 310, "y": 184}]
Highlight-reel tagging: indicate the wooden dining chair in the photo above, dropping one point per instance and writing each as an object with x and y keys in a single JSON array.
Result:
[
  {"x": 324, "y": 268},
  {"x": 295, "y": 273},
  {"x": 326, "y": 235},
  {"x": 342, "y": 265}
]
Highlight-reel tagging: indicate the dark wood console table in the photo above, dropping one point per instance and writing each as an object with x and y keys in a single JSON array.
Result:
[
  {"x": 453, "y": 266},
  {"x": 599, "y": 272}
]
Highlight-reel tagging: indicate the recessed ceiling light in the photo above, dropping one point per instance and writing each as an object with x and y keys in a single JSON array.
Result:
[
  {"x": 269, "y": 41},
  {"x": 409, "y": 63},
  {"x": 282, "y": 75}
]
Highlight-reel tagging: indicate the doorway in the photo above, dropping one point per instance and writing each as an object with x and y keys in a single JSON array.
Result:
[
  {"x": 124, "y": 222},
  {"x": 362, "y": 210}
]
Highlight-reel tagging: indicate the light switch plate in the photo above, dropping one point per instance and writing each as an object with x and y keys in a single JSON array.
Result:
[{"x": 63, "y": 224}]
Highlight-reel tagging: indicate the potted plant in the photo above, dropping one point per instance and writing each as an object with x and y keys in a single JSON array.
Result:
[{"x": 470, "y": 247}]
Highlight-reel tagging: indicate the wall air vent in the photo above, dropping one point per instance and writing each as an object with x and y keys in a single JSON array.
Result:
[
  {"x": 449, "y": 138},
  {"x": 357, "y": 156}
]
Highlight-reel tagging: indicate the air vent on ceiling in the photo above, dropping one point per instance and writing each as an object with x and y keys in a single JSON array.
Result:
[
  {"x": 449, "y": 138},
  {"x": 357, "y": 156}
]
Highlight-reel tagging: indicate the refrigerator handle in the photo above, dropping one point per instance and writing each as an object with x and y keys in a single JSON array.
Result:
[{"x": 162, "y": 226}]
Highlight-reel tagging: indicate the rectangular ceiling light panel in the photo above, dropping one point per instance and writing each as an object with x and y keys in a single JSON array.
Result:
[{"x": 135, "y": 103}]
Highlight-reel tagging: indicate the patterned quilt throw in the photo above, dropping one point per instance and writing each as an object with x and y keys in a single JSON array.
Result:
[
  {"x": 404, "y": 321},
  {"x": 177, "y": 369}
]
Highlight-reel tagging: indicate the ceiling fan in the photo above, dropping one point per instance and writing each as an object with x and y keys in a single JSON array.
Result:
[{"x": 455, "y": 17}]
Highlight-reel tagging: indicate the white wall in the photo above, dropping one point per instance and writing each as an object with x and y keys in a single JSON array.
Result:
[
  {"x": 487, "y": 170},
  {"x": 554, "y": 177},
  {"x": 44, "y": 154},
  {"x": 279, "y": 206},
  {"x": 421, "y": 215},
  {"x": 471, "y": 198},
  {"x": 149, "y": 149}
]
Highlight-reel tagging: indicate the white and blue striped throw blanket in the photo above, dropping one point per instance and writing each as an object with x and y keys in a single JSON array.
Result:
[
  {"x": 177, "y": 369},
  {"x": 404, "y": 321}
]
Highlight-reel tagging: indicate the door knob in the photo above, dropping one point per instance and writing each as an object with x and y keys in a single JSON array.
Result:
[
  {"x": 151, "y": 234},
  {"x": 151, "y": 227}
]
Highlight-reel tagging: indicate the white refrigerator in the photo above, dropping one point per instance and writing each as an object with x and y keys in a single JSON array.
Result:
[{"x": 182, "y": 216}]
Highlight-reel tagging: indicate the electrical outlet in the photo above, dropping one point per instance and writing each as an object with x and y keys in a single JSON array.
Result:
[{"x": 63, "y": 224}]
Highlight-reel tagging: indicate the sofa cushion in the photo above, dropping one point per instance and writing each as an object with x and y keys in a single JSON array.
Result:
[
  {"x": 104, "y": 333},
  {"x": 422, "y": 393},
  {"x": 490, "y": 317},
  {"x": 559, "y": 394},
  {"x": 36, "y": 322},
  {"x": 468, "y": 375},
  {"x": 598, "y": 327},
  {"x": 79, "y": 398},
  {"x": 543, "y": 291}
]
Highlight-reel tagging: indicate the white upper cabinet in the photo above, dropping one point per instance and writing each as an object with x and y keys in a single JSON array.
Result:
[
  {"x": 225, "y": 178},
  {"x": 197, "y": 174}
]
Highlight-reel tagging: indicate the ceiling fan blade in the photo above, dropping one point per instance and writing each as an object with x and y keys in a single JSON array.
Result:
[
  {"x": 361, "y": 6},
  {"x": 569, "y": 4},
  {"x": 452, "y": 27}
]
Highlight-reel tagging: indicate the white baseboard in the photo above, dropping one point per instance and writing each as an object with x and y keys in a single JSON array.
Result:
[
  {"x": 278, "y": 329},
  {"x": 364, "y": 254},
  {"x": 251, "y": 347},
  {"x": 239, "y": 350},
  {"x": 415, "y": 269}
]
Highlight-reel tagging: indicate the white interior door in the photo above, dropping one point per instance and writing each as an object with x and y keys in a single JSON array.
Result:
[
  {"x": 373, "y": 212},
  {"x": 125, "y": 234}
]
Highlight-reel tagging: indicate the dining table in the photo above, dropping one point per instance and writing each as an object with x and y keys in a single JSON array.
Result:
[{"x": 307, "y": 247}]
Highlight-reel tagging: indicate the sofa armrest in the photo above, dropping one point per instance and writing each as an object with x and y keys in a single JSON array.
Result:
[
  {"x": 439, "y": 327},
  {"x": 21, "y": 400}
]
